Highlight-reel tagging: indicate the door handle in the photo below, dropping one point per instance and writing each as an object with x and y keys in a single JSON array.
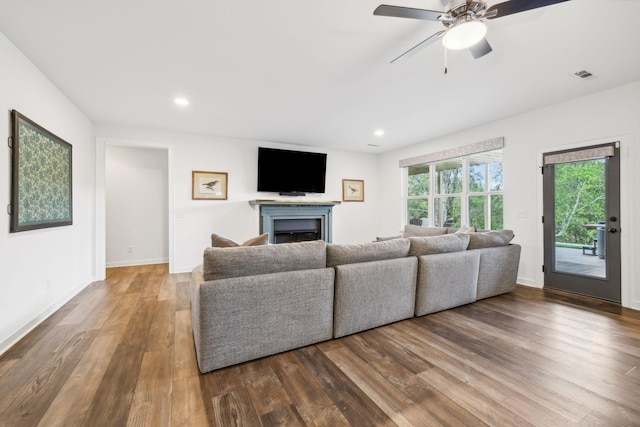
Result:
[{"x": 613, "y": 230}]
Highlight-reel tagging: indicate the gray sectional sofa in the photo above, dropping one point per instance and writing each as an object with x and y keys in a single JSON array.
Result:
[{"x": 251, "y": 302}]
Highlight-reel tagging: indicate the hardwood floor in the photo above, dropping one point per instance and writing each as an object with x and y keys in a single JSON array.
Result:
[{"x": 121, "y": 353}]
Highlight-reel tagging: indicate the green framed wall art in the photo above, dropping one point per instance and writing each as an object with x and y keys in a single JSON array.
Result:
[{"x": 41, "y": 177}]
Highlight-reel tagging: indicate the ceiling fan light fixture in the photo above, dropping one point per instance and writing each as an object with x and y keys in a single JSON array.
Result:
[{"x": 464, "y": 35}]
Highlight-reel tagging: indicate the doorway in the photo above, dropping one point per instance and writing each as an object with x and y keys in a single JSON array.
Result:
[
  {"x": 581, "y": 215},
  {"x": 101, "y": 209},
  {"x": 136, "y": 205}
]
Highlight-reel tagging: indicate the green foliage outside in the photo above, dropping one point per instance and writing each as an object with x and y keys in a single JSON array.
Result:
[
  {"x": 448, "y": 181},
  {"x": 579, "y": 200},
  {"x": 448, "y": 208},
  {"x": 418, "y": 185},
  {"x": 483, "y": 177},
  {"x": 418, "y": 208},
  {"x": 497, "y": 212}
]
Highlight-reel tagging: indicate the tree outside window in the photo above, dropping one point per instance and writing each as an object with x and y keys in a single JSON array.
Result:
[
  {"x": 418, "y": 192},
  {"x": 579, "y": 199},
  {"x": 467, "y": 190}
]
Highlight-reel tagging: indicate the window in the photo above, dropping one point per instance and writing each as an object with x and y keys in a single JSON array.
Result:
[
  {"x": 418, "y": 191},
  {"x": 466, "y": 191}
]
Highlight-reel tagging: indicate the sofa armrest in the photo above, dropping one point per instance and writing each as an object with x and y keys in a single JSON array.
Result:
[
  {"x": 197, "y": 279},
  {"x": 498, "y": 270}
]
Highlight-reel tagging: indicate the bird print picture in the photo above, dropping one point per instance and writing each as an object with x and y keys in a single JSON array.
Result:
[
  {"x": 352, "y": 190},
  {"x": 209, "y": 185}
]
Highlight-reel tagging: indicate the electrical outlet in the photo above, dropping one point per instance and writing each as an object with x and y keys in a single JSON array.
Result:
[
  {"x": 130, "y": 249},
  {"x": 48, "y": 285}
]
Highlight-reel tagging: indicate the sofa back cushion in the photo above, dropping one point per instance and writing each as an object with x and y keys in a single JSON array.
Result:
[
  {"x": 454, "y": 242},
  {"x": 420, "y": 231},
  {"x": 340, "y": 254},
  {"x": 223, "y": 263},
  {"x": 490, "y": 239}
]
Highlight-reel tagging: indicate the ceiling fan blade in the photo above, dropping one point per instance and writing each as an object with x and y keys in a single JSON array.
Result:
[
  {"x": 481, "y": 48},
  {"x": 516, "y": 6},
  {"x": 407, "y": 12},
  {"x": 417, "y": 48}
]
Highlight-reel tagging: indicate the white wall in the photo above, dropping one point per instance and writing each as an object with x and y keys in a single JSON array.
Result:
[
  {"x": 40, "y": 270},
  {"x": 193, "y": 221},
  {"x": 608, "y": 116},
  {"x": 137, "y": 223}
]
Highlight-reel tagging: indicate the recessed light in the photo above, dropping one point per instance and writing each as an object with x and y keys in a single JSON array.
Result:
[
  {"x": 181, "y": 101},
  {"x": 378, "y": 132}
]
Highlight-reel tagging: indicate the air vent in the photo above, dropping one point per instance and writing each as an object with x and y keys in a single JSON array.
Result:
[{"x": 584, "y": 74}]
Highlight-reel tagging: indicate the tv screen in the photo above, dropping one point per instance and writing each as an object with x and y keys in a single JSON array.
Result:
[{"x": 291, "y": 172}]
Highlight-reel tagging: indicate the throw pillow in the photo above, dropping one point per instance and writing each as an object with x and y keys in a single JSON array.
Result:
[
  {"x": 490, "y": 239},
  {"x": 439, "y": 244},
  {"x": 222, "y": 242},
  {"x": 465, "y": 229}
]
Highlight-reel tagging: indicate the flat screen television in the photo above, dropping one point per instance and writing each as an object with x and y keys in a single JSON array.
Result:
[{"x": 291, "y": 173}]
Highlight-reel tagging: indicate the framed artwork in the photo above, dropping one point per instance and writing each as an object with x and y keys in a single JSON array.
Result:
[
  {"x": 352, "y": 190},
  {"x": 41, "y": 177},
  {"x": 209, "y": 185}
]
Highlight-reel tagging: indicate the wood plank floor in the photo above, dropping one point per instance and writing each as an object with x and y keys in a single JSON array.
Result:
[{"x": 121, "y": 353}]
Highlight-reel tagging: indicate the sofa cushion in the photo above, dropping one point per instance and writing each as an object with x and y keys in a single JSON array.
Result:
[
  {"x": 371, "y": 294},
  {"x": 222, "y": 263},
  {"x": 340, "y": 254},
  {"x": 418, "y": 230},
  {"x": 454, "y": 242},
  {"x": 446, "y": 281},
  {"x": 490, "y": 239},
  {"x": 222, "y": 242}
]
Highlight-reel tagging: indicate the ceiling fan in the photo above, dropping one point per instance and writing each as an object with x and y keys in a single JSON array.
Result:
[{"x": 464, "y": 24}]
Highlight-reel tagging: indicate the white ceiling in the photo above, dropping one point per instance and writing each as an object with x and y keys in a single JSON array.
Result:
[{"x": 315, "y": 72}]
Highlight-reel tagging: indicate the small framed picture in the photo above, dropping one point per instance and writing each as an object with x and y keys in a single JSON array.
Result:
[
  {"x": 352, "y": 190},
  {"x": 209, "y": 185}
]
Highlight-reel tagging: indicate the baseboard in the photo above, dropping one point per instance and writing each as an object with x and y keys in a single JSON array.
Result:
[
  {"x": 184, "y": 269},
  {"x": 129, "y": 263},
  {"x": 6, "y": 344},
  {"x": 527, "y": 282}
]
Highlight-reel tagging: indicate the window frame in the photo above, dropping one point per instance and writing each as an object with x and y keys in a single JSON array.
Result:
[{"x": 464, "y": 196}]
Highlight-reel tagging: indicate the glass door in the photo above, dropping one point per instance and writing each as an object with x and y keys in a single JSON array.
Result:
[{"x": 581, "y": 221}]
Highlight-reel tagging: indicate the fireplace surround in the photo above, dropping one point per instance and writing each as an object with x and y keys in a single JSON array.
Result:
[{"x": 293, "y": 221}]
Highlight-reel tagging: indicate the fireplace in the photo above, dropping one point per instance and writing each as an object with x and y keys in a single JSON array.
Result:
[
  {"x": 288, "y": 222},
  {"x": 288, "y": 230}
]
